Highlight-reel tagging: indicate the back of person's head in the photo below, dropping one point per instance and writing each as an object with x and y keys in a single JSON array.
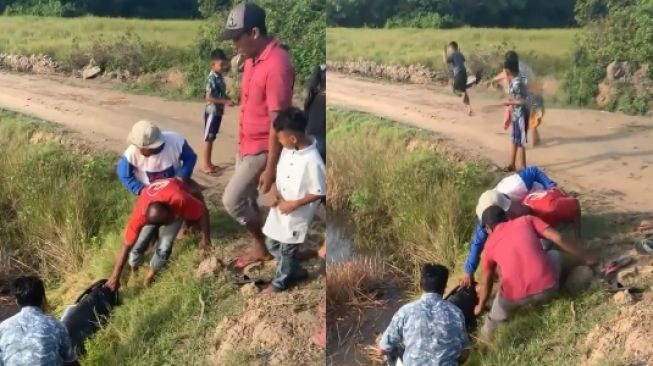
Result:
[
  {"x": 512, "y": 65},
  {"x": 290, "y": 120},
  {"x": 434, "y": 278},
  {"x": 512, "y": 55},
  {"x": 218, "y": 55},
  {"x": 453, "y": 45},
  {"x": 29, "y": 291},
  {"x": 493, "y": 216},
  {"x": 159, "y": 213}
]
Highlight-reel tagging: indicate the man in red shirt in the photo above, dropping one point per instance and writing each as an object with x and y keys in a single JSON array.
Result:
[
  {"x": 266, "y": 88},
  {"x": 161, "y": 207},
  {"x": 528, "y": 274}
]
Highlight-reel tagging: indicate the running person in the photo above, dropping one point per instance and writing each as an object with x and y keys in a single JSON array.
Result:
[{"x": 456, "y": 62}]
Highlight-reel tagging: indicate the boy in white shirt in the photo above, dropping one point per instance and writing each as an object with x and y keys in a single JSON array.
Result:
[{"x": 300, "y": 184}]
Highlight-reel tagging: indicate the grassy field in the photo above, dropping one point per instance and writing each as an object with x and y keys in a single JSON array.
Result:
[
  {"x": 547, "y": 50},
  {"x": 56, "y": 36},
  {"x": 411, "y": 202}
]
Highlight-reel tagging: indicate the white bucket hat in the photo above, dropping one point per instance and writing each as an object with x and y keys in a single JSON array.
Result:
[
  {"x": 492, "y": 198},
  {"x": 145, "y": 135}
]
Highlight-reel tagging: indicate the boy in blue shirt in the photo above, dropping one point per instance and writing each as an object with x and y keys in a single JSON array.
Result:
[{"x": 216, "y": 98}]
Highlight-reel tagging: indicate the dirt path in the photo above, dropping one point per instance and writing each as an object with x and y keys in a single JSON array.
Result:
[
  {"x": 104, "y": 116},
  {"x": 606, "y": 156}
]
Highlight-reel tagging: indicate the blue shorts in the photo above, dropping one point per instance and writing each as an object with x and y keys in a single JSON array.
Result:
[
  {"x": 520, "y": 130},
  {"x": 211, "y": 126}
]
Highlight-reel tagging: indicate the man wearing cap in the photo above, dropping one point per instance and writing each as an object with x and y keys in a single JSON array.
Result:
[
  {"x": 161, "y": 208},
  {"x": 266, "y": 88},
  {"x": 528, "y": 274},
  {"x": 508, "y": 195},
  {"x": 154, "y": 155}
]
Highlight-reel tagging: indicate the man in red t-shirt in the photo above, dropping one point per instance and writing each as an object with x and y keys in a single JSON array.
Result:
[
  {"x": 528, "y": 274},
  {"x": 161, "y": 207},
  {"x": 266, "y": 88}
]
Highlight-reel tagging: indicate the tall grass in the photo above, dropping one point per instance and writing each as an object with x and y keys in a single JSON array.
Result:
[
  {"x": 406, "y": 200},
  {"x": 51, "y": 199},
  {"x": 547, "y": 51}
]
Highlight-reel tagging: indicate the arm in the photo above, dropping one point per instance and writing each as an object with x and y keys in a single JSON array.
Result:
[
  {"x": 568, "y": 246},
  {"x": 66, "y": 351},
  {"x": 534, "y": 174},
  {"x": 188, "y": 159},
  {"x": 393, "y": 335},
  {"x": 517, "y": 101},
  {"x": 125, "y": 172},
  {"x": 113, "y": 283},
  {"x": 475, "y": 249},
  {"x": 224, "y": 101},
  {"x": 485, "y": 287},
  {"x": 278, "y": 92},
  {"x": 500, "y": 77}
]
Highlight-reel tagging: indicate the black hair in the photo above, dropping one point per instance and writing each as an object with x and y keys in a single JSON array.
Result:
[
  {"x": 434, "y": 278},
  {"x": 511, "y": 55},
  {"x": 493, "y": 216},
  {"x": 218, "y": 55},
  {"x": 454, "y": 45},
  {"x": 158, "y": 206},
  {"x": 29, "y": 291},
  {"x": 315, "y": 85},
  {"x": 291, "y": 119},
  {"x": 511, "y": 65}
]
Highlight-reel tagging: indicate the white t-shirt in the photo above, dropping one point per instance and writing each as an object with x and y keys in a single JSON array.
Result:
[
  {"x": 162, "y": 165},
  {"x": 299, "y": 173},
  {"x": 514, "y": 187}
]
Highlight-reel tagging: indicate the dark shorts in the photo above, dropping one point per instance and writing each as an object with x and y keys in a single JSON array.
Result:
[
  {"x": 520, "y": 130},
  {"x": 211, "y": 126},
  {"x": 460, "y": 82}
]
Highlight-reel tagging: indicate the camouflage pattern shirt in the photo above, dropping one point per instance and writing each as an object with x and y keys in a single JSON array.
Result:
[
  {"x": 518, "y": 90},
  {"x": 218, "y": 88},
  {"x": 33, "y": 338},
  {"x": 430, "y": 330}
]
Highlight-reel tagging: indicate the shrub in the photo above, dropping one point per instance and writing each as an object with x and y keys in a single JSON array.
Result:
[{"x": 422, "y": 20}]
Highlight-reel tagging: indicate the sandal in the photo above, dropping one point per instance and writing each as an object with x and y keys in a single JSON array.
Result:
[
  {"x": 645, "y": 246},
  {"x": 613, "y": 267},
  {"x": 243, "y": 280}
]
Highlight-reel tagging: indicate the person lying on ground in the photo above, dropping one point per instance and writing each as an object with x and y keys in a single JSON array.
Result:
[
  {"x": 267, "y": 88},
  {"x": 528, "y": 274},
  {"x": 216, "y": 99},
  {"x": 456, "y": 62},
  {"x": 517, "y": 101},
  {"x": 33, "y": 337},
  {"x": 428, "y": 331},
  {"x": 509, "y": 194},
  {"x": 296, "y": 195},
  {"x": 162, "y": 207}
]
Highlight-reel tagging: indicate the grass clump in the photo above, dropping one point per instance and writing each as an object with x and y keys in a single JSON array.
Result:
[
  {"x": 406, "y": 201},
  {"x": 547, "y": 51},
  {"x": 354, "y": 282}
]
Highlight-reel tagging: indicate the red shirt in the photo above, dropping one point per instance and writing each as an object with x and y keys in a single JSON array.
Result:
[
  {"x": 524, "y": 267},
  {"x": 170, "y": 191},
  {"x": 267, "y": 86}
]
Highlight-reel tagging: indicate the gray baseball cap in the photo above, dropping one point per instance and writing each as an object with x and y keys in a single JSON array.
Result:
[
  {"x": 145, "y": 135},
  {"x": 242, "y": 19}
]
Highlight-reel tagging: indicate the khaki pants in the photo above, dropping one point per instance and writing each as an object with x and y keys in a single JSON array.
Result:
[{"x": 241, "y": 193}]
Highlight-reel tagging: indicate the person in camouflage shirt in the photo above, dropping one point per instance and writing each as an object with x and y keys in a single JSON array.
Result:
[
  {"x": 216, "y": 99},
  {"x": 430, "y": 331},
  {"x": 31, "y": 337}
]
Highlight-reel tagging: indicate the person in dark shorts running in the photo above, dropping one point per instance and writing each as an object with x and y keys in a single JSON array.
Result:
[
  {"x": 456, "y": 62},
  {"x": 216, "y": 98}
]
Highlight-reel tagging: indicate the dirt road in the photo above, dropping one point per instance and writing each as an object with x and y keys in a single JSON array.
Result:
[
  {"x": 608, "y": 157},
  {"x": 104, "y": 116}
]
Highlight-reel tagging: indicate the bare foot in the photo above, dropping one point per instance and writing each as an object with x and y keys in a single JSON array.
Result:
[
  {"x": 270, "y": 290},
  {"x": 209, "y": 170},
  {"x": 149, "y": 278}
]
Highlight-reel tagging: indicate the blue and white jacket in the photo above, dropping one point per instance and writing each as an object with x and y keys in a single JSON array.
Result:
[
  {"x": 177, "y": 159},
  {"x": 517, "y": 187}
]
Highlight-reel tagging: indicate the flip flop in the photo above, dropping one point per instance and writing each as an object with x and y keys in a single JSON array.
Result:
[
  {"x": 239, "y": 264},
  {"x": 614, "y": 266},
  {"x": 616, "y": 286},
  {"x": 645, "y": 246},
  {"x": 242, "y": 280}
]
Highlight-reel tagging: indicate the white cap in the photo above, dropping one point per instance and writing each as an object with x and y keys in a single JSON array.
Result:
[
  {"x": 145, "y": 135},
  {"x": 492, "y": 198}
]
